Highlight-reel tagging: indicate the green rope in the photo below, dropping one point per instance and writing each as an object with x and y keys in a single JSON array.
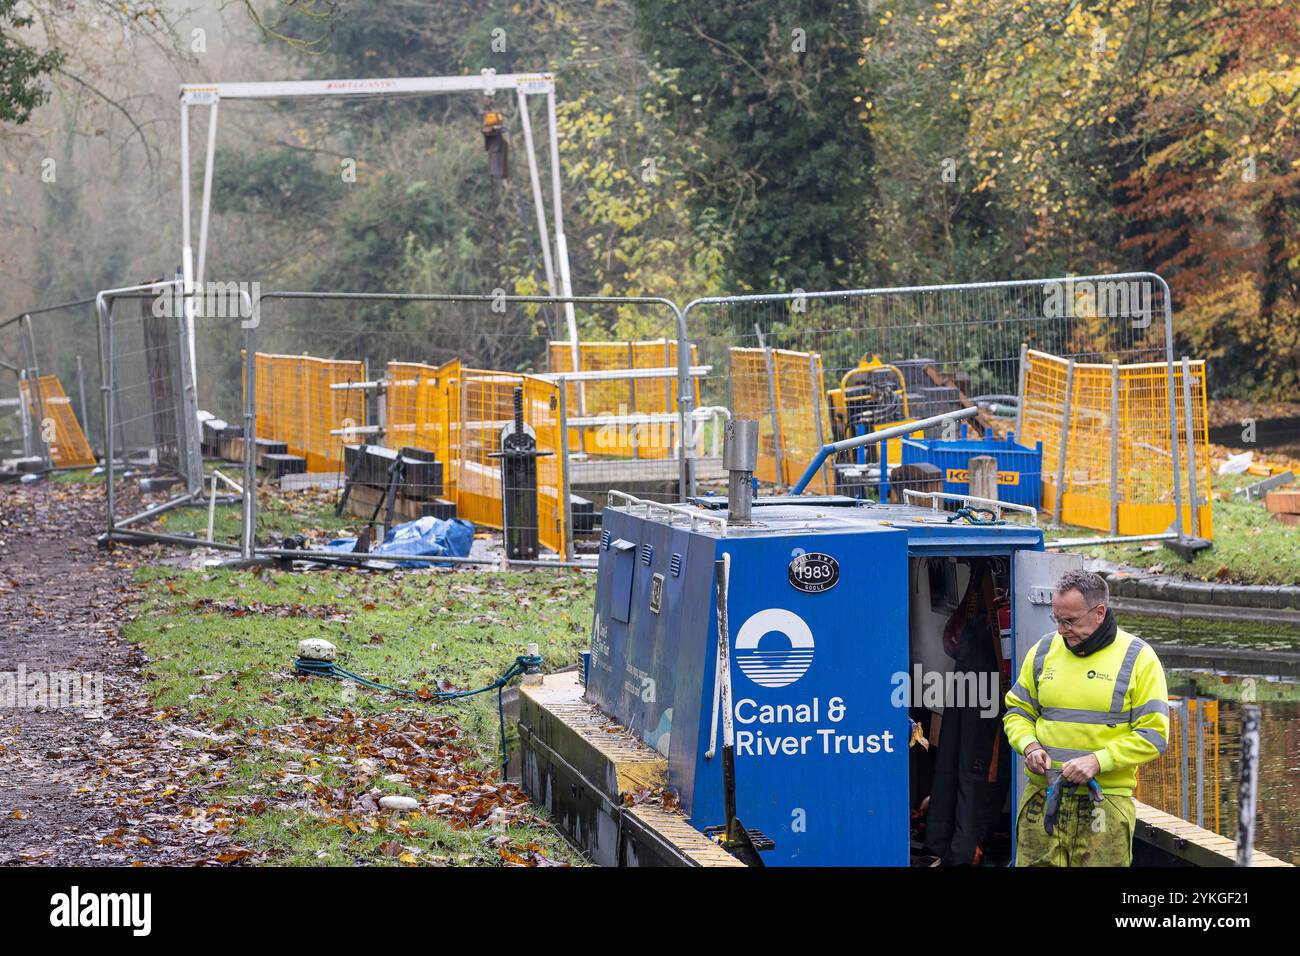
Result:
[
  {"x": 972, "y": 516},
  {"x": 524, "y": 664}
]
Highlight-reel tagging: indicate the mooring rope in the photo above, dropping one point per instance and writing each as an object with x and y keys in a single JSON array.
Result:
[
  {"x": 524, "y": 664},
  {"x": 972, "y": 515}
]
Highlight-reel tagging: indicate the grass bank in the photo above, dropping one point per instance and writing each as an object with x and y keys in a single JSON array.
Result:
[
  {"x": 1250, "y": 547},
  {"x": 279, "y": 515},
  {"x": 311, "y": 757},
  {"x": 81, "y": 476}
]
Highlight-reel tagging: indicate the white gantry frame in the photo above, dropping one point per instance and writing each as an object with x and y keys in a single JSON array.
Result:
[{"x": 488, "y": 82}]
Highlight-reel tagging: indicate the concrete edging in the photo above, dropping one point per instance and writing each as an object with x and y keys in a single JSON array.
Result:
[
  {"x": 1204, "y": 612},
  {"x": 1284, "y": 665},
  {"x": 1171, "y": 589}
]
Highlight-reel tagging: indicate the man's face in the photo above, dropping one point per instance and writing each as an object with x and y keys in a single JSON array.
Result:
[{"x": 1074, "y": 618}]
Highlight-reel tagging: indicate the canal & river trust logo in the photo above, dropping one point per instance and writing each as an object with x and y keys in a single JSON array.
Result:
[{"x": 786, "y": 654}]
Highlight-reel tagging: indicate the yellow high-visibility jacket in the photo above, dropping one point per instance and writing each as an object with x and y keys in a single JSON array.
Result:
[{"x": 1112, "y": 703}]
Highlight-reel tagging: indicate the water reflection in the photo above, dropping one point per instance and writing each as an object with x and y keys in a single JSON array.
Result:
[
  {"x": 1201, "y": 632},
  {"x": 1277, "y": 828}
]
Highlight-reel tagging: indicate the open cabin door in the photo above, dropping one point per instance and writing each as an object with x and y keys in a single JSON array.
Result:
[{"x": 1033, "y": 578}]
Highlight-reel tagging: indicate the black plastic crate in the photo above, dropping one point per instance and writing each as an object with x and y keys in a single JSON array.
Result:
[{"x": 277, "y": 466}]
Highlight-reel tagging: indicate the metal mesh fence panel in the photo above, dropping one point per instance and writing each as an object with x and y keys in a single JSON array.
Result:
[
  {"x": 15, "y": 429},
  {"x": 218, "y": 338},
  {"x": 597, "y": 398},
  {"x": 1147, "y": 386},
  {"x": 1117, "y": 471},
  {"x": 487, "y": 410},
  {"x": 59, "y": 341},
  {"x": 435, "y": 374},
  {"x": 791, "y": 383},
  {"x": 751, "y": 399},
  {"x": 801, "y": 413},
  {"x": 328, "y": 410},
  {"x": 297, "y": 405},
  {"x": 460, "y": 414},
  {"x": 646, "y": 408},
  {"x": 154, "y": 421},
  {"x": 658, "y": 396},
  {"x": 423, "y": 410},
  {"x": 891, "y": 356},
  {"x": 14, "y": 435}
]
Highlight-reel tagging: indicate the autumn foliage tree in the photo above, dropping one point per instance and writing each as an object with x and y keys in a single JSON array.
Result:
[
  {"x": 1214, "y": 200},
  {"x": 1142, "y": 134}
]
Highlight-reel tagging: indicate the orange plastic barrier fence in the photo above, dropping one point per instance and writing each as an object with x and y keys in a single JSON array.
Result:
[
  {"x": 459, "y": 414},
  {"x": 487, "y": 407},
  {"x": 1160, "y": 783},
  {"x": 60, "y": 430},
  {"x": 802, "y": 424},
  {"x": 1118, "y": 412},
  {"x": 423, "y": 411},
  {"x": 296, "y": 405},
  {"x": 644, "y": 396}
]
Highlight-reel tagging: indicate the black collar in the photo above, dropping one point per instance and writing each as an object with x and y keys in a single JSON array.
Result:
[{"x": 1104, "y": 636}]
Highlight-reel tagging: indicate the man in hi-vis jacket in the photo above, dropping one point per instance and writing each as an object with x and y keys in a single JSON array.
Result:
[{"x": 1090, "y": 704}]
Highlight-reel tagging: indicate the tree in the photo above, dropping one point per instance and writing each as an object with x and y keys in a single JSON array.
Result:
[
  {"x": 760, "y": 94},
  {"x": 1148, "y": 134},
  {"x": 21, "y": 67}
]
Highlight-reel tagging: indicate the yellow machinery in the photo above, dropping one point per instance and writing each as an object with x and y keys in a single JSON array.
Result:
[
  {"x": 494, "y": 141},
  {"x": 870, "y": 397}
]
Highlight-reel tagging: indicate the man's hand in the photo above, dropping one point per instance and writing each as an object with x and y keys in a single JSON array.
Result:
[
  {"x": 1081, "y": 769},
  {"x": 1036, "y": 759}
]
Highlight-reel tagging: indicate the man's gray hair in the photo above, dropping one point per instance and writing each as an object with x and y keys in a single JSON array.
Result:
[{"x": 1092, "y": 586}]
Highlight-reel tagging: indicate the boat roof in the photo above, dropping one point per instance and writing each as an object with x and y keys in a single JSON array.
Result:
[{"x": 928, "y": 529}]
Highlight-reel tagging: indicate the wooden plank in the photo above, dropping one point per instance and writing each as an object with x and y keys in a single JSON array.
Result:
[
  {"x": 1192, "y": 843},
  {"x": 983, "y": 476},
  {"x": 1291, "y": 521},
  {"x": 690, "y": 842},
  {"x": 1283, "y": 502},
  {"x": 612, "y": 759}
]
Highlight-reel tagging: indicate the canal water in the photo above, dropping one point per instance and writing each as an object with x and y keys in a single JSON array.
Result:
[{"x": 1277, "y": 828}]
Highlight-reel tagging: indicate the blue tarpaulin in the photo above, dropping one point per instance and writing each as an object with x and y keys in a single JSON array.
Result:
[{"x": 436, "y": 537}]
